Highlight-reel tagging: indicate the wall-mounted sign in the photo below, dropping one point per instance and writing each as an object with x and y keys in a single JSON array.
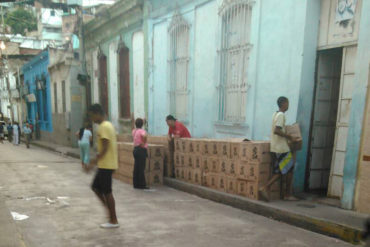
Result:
[
  {"x": 345, "y": 10},
  {"x": 31, "y": 98}
]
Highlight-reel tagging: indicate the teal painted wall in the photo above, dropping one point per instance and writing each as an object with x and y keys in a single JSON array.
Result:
[{"x": 357, "y": 108}]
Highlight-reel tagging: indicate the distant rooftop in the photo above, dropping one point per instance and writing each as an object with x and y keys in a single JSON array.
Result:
[{"x": 90, "y": 3}]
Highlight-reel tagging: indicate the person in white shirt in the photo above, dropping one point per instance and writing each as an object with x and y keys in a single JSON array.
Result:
[
  {"x": 84, "y": 136},
  {"x": 282, "y": 158},
  {"x": 16, "y": 134}
]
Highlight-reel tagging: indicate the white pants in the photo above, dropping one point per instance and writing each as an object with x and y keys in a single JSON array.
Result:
[{"x": 16, "y": 138}]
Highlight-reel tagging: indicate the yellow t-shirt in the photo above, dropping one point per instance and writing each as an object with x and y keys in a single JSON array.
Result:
[
  {"x": 110, "y": 159},
  {"x": 279, "y": 144}
]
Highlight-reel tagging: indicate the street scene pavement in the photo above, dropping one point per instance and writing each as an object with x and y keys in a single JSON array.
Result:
[{"x": 54, "y": 192}]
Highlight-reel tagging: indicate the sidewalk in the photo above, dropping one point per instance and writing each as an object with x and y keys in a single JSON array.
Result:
[
  {"x": 68, "y": 151},
  {"x": 308, "y": 214}
]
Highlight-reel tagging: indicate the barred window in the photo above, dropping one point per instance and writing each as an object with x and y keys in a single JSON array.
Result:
[
  {"x": 234, "y": 54},
  {"x": 179, "y": 66}
]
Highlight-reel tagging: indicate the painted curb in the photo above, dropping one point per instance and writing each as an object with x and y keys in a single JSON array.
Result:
[{"x": 322, "y": 226}]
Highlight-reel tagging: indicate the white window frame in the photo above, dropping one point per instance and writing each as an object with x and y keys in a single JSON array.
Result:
[
  {"x": 234, "y": 53},
  {"x": 178, "y": 62}
]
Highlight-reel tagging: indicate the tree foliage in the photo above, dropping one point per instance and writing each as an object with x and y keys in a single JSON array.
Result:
[{"x": 21, "y": 20}]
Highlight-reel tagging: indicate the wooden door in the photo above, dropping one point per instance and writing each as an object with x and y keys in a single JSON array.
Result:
[
  {"x": 324, "y": 118},
  {"x": 124, "y": 82},
  {"x": 344, "y": 107}
]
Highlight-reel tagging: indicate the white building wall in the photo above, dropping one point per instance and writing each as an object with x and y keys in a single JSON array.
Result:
[
  {"x": 95, "y": 85},
  {"x": 113, "y": 86}
]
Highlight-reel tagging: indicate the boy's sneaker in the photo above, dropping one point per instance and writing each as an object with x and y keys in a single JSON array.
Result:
[{"x": 109, "y": 225}]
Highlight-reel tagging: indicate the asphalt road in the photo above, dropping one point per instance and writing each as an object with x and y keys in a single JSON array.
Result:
[{"x": 55, "y": 194}]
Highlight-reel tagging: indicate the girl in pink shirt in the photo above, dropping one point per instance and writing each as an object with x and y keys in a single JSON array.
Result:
[{"x": 140, "y": 154}]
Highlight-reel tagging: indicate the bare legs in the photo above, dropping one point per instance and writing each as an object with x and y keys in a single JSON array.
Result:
[{"x": 109, "y": 204}]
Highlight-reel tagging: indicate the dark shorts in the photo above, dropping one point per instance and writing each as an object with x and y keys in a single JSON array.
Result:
[{"x": 103, "y": 181}]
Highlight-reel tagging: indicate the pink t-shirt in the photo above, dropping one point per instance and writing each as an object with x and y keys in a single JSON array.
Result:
[{"x": 137, "y": 135}]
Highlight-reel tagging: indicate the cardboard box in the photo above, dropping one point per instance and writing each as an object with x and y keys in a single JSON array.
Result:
[
  {"x": 252, "y": 190},
  {"x": 162, "y": 140},
  {"x": 155, "y": 151},
  {"x": 190, "y": 148},
  {"x": 177, "y": 160},
  {"x": 213, "y": 181},
  {"x": 255, "y": 151},
  {"x": 214, "y": 148},
  {"x": 197, "y": 144},
  {"x": 189, "y": 175},
  {"x": 215, "y": 165},
  {"x": 124, "y": 138},
  {"x": 206, "y": 148},
  {"x": 126, "y": 169},
  {"x": 232, "y": 168},
  {"x": 231, "y": 186},
  {"x": 235, "y": 150},
  {"x": 294, "y": 131},
  {"x": 182, "y": 160},
  {"x": 189, "y": 161},
  {"x": 127, "y": 146},
  {"x": 156, "y": 165},
  {"x": 206, "y": 164},
  {"x": 182, "y": 173},
  {"x": 224, "y": 149},
  {"x": 155, "y": 178},
  {"x": 241, "y": 172},
  {"x": 205, "y": 179},
  {"x": 197, "y": 176},
  {"x": 223, "y": 166},
  {"x": 178, "y": 146},
  {"x": 183, "y": 142},
  {"x": 124, "y": 179},
  {"x": 222, "y": 183},
  {"x": 197, "y": 162},
  {"x": 178, "y": 172},
  {"x": 241, "y": 187},
  {"x": 126, "y": 158},
  {"x": 254, "y": 171}
]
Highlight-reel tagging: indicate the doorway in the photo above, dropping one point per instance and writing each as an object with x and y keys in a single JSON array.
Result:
[
  {"x": 324, "y": 118},
  {"x": 124, "y": 81}
]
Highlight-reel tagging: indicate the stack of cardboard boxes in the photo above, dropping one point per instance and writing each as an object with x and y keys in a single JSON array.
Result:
[
  {"x": 230, "y": 166},
  {"x": 153, "y": 168},
  {"x": 168, "y": 157}
]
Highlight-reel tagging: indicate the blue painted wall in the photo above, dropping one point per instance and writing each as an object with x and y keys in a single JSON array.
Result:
[{"x": 36, "y": 69}]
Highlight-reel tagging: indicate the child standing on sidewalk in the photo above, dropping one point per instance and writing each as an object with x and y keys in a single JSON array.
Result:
[
  {"x": 84, "y": 142},
  {"x": 140, "y": 154}
]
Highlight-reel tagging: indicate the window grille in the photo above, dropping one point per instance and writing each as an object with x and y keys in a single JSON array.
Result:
[
  {"x": 179, "y": 66},
  {"x": 235, "y": 16}
]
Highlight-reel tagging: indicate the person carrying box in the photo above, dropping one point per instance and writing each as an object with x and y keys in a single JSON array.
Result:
[{"x": 283, "y": 158}]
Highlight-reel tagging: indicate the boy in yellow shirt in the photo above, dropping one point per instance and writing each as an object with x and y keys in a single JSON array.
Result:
[{"x": 107, "y": 161}]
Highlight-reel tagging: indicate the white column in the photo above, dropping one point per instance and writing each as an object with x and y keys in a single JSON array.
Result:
[
  {"x": 138, "y": 74},
  {"x": 113, "y": 87}
]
